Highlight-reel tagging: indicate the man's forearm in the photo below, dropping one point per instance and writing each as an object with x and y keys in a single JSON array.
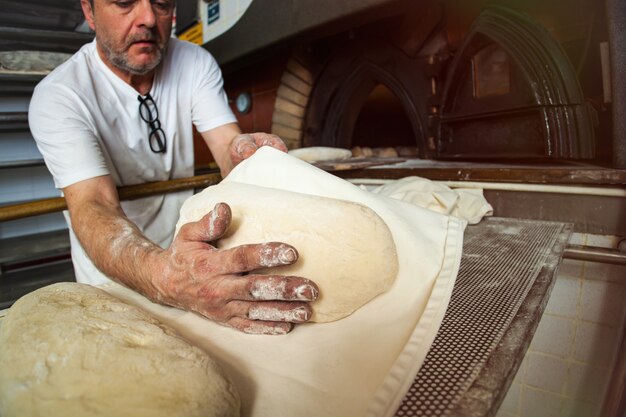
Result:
[{"x": 117, "y": 247}]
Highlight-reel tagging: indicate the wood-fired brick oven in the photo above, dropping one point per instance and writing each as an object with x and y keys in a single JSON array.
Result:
[{"x": 455, "y": 79}]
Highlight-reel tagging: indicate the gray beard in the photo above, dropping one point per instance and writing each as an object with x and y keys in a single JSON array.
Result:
[{"x": 120, "y": 61}]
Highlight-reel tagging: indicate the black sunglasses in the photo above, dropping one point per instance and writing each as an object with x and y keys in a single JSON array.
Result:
[{"x": 150, "y": 114}]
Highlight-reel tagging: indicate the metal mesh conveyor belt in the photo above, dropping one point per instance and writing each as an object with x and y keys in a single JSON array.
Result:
[{"x": 502, "y": 260}]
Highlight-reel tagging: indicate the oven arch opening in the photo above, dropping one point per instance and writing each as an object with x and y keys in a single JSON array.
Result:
[
  {"x": 345, "y": 92},
  {"x": 382, "y": 119}
]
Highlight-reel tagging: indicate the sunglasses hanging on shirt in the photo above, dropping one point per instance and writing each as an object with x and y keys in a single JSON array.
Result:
[{"x": 150, "y": 114}]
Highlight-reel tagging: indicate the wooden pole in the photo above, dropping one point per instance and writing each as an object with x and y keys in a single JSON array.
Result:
[{"x": 129, "y": 192}]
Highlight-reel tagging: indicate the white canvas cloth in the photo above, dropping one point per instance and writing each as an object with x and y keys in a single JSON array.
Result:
[
  {"x": 360, "y": 365},
  {"x": 465, "y": 203}
]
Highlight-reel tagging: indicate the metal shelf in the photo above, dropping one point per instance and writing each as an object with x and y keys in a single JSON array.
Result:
[
  {"x": 16, "y": 84},
  {"x": 22, "y": 163},
  {"x": 41, "y": 14},
  {"x": 18, "y": 39},
  {"x": 14, "y": 122}
]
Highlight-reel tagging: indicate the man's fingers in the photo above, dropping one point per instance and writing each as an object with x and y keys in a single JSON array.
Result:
[
  {"x": 267, "y": 139},
  {"x": 273, "y": 287},
  {"x": 275, "y": 311},
  {"x": 292, "y": 312},
  {"x": 260, "y": 327},
  {"x": 245, "y": 146},
  {"x": 246, "y": 258},
  {"x": 210, "y": 227},
  {"x": 270, "y": 288}
]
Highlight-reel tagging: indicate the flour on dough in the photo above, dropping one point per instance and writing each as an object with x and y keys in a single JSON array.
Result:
[
  {"x": 345, "y": 247},
  {"x": 73, "y": 350}
]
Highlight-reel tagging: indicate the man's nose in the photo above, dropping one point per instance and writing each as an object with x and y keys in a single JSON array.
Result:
[{"x": 145, "y": 15}]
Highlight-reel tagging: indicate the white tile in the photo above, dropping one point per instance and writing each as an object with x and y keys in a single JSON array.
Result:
[
  {"x": 587, "y": 383},
  {"x": 595, "y": 344},
  {"x": 501, "y": 413},
  {"x": 578, "y": 239},
  {"x": 554, "y": 336},
  {"x": 511, "y": 401},
  {"x": 571, "y": 268},
  {"x": 546, "y": 373},
  {"x": 602, "y": 241},
  {"x": 576, "y": 408},
  {"x": 537, "y": 403},
  {"x": 603, "y": 302},
  {"x": 565, "y": 297},
  {"x": 605, "y": 272}
]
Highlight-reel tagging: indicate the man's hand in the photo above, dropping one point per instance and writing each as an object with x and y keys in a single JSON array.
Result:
[
  {"x": 229, "y": 146},
  {"x": 245, "y": 145},
  {"x": 221, "y": 284}
]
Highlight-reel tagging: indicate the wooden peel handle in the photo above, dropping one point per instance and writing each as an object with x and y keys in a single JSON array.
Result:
[{"x": 129, "y": 192}]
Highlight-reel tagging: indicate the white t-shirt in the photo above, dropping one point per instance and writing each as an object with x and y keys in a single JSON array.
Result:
[{"x": 86, "y": 122}]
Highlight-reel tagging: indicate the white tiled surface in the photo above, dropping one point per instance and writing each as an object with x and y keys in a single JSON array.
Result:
[
  {"x": 587, "y": 383},
  {"x": 546, "y": 372},
  {"x": 595, "y": 344},
  {"x": 565, "y": 305},
  {"x": 560, "y": 332},
  {"x": 602, "y": 301},
  {"x": 511, "y": 403},
  {"x": 605, "y": 272},
  {"x": 540, "y": 403},
  {"x": 568, "y": 365}
]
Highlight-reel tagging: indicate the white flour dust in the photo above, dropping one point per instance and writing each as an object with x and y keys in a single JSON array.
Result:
[
  {"x": 212, "y": 219},
  {"x": 282, "y": 255},
  {"x": 128, "y": 236},
  {"x": 298, "y": 314},
  {"x": 269, "y": 289}
]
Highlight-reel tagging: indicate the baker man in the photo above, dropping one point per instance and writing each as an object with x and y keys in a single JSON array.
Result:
[{"x": 120, "y": 112}]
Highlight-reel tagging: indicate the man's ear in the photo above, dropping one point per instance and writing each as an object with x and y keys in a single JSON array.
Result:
[{"x": 88, "y": 12}]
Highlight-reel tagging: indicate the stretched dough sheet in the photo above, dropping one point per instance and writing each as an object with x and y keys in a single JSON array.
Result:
[{"x": 360, "y": 365}]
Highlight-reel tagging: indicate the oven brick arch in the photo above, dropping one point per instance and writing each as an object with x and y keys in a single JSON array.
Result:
[{"x": 292, "y": 97}]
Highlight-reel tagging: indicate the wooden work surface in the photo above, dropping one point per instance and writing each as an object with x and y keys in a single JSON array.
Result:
[{"x": 516, "y": 172}]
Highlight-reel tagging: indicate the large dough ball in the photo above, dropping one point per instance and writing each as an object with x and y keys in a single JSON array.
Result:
[
  {"x": 346, "y": 248},
  {"x": 73, "y": 350}
]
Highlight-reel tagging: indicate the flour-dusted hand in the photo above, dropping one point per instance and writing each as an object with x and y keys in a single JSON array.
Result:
[
  {"x": 245, "y": 145},
  {"x": 221, "y": 285}
]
